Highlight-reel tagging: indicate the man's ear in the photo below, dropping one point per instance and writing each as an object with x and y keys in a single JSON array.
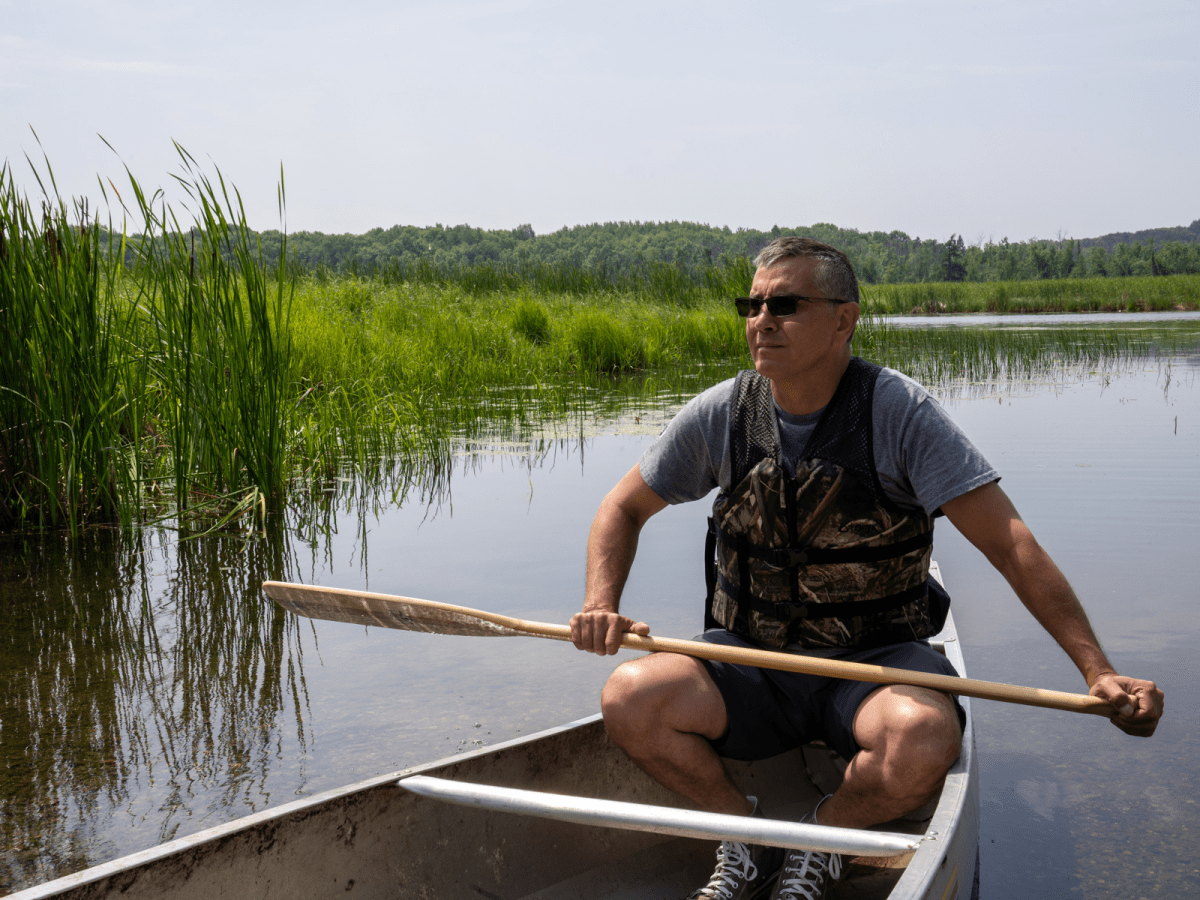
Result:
[{"x": 847, "y": 319}]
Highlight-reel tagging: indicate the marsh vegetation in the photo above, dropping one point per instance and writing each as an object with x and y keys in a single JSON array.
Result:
[{"x": 179, "y": 373}]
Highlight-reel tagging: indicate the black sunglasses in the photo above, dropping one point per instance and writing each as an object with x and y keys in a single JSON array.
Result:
[{"x": 779, "y": 307}]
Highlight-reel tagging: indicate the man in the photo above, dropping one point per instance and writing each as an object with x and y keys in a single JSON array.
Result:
[{"x": 830, "y": 472}]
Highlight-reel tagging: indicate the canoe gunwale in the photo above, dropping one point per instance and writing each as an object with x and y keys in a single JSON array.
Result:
[{"x": 953, "y": 832}]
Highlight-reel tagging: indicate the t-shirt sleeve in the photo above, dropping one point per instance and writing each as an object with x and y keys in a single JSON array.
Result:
[
  {"x": 922, "y": 456},
  {"x": 689, "y": 458}
]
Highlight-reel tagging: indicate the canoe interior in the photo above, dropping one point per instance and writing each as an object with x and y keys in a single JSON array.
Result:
[
  {"x": 387, "y": 843},
  {"x": 384, "y": 842},
  {"x": 376, "y": 840}
]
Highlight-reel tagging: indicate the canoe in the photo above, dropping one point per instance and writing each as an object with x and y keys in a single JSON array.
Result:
[{"x": 556, "y": 815}]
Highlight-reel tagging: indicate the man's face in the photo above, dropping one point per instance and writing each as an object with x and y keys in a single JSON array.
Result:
[{"x": 813, "y": 341}]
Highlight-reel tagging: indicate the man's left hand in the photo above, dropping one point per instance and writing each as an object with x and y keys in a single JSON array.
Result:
[{"x": 1137, "y": 705}]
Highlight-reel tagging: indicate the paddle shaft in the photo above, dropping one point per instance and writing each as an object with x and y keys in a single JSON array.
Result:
[
  {"x": 851, "y": 671},
  {"x": 366, "y": 608}
]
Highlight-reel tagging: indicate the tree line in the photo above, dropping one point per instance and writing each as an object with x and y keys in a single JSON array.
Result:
[{"x": 620, "y": 248}]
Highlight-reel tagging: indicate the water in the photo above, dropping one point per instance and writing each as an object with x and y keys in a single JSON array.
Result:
[{"x": 147, "y": 692}]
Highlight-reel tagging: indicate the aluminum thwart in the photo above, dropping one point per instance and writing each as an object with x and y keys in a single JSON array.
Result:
[{"x": 664, "y": 819}]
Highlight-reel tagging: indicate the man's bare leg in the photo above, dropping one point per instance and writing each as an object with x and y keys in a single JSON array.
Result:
[
  {"x": 909, "y": 737},
  {"x": 661, "y": 710}
]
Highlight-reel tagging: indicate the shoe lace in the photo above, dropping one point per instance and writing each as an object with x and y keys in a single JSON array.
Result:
[
  {"x": 734, "y": 866},
  {"x": 805, "y": 873}
]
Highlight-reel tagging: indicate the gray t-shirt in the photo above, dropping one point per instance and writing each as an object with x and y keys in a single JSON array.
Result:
[{"x": 922, "y": 457}]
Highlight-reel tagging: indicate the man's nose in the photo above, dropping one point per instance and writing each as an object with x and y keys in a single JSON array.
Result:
[{"x": 764, "y": 321}]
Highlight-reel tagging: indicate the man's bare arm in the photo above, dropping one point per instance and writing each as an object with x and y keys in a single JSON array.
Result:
[
  {"x": 612, "y": 545},
  {"x": 988, "y": 519}
]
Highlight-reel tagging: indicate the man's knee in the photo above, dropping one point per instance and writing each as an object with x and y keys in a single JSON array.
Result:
[
  {"x": 621, "y": 700},
  {"x": 917, "y": 730},
  {"x": 931, "y": 730},
  {"x": 661, "y": 691}
]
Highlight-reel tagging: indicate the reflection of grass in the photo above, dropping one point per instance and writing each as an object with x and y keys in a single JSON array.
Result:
[
  {"x": 112, "y": 691},
  {"x": 939, "y": 356}
]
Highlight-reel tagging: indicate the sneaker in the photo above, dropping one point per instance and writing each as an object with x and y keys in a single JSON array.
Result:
[
  {"x": 806, "y": 875},
  {"x": 744, "y": 872}
]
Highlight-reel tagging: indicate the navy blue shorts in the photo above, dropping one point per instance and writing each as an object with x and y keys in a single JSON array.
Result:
[{"x": 771, "y": 712}]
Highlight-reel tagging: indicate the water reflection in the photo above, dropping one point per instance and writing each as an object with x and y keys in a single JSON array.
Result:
[
  {"x": 149, "y": 690},
  {"x": 142, "y": 678}
]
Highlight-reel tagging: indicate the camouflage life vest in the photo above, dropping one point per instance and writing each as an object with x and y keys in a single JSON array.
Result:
[{"x": 822, "y": 558}]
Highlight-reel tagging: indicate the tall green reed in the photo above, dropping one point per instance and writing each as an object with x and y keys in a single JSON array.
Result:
[
  {"x": 66, "y": 424},
  {"x": 126, "y": 363},
  {"x": 220, "y": 344}
]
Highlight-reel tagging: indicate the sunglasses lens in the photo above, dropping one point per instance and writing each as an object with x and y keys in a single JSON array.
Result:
[{"x": 782, "y": 306}]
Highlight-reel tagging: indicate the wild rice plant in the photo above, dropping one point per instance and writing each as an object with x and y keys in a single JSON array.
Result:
[
  {"x": 938, "y": 356},
  {"x": 181, "y": 357}
]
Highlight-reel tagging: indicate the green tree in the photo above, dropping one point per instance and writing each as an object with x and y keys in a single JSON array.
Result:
[{"x": 953, "y": 261}]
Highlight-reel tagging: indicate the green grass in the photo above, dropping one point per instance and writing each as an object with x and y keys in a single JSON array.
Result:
[
  {"x": 450, "y": 353},
  {"x": 1073, "y": 295}
]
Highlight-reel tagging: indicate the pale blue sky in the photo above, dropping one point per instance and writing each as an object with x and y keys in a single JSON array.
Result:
[{"x": 1018, "y": 119}]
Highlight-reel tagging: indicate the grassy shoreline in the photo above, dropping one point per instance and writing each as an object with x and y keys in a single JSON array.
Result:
[
  {"x": 1162, "y": 293},
  {"x": 182, "y": 375}
]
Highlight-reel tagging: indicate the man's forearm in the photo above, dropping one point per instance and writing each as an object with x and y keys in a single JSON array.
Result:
[
  {"x": 987, "y": 518},
  {"x": 612, "y": 546},
  {"x": 1047, "y": 594}
]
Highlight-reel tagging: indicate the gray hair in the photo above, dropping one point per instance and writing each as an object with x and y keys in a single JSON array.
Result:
[{"x": 833, "y": 273}]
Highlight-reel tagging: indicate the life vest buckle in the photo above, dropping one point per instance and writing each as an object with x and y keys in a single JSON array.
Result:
[
  {"x": 787, "y": 557},
  {"x": 790, "y": 612}
]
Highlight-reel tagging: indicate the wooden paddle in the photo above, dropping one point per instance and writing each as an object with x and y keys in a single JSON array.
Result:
[{"x": 363, "y": 608}]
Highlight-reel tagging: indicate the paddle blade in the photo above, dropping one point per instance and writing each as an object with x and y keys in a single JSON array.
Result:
[{"x": 405, "y": 613}]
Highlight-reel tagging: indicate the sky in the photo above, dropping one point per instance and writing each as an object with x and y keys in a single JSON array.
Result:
[{"x": 1001, "y": 119}]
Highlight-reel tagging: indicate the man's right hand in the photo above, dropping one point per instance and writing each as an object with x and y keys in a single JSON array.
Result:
[{"x": 600, "y": 631}]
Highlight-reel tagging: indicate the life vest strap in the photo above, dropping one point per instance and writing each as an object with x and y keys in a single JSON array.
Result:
[{"x": 790, "y": 612}]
